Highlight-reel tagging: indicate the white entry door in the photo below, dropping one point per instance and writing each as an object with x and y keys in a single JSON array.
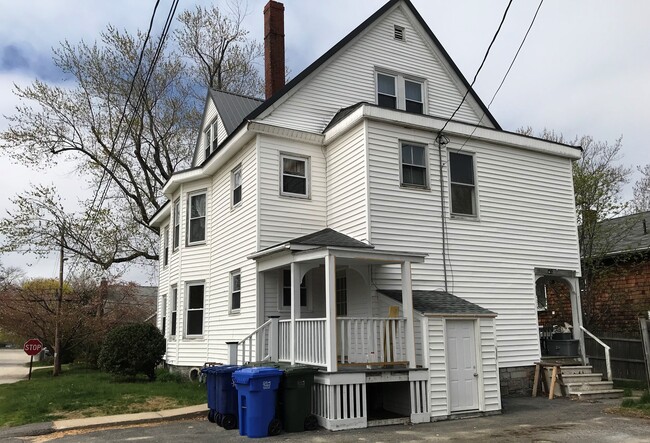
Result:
[{"x": 461, "y": 365}]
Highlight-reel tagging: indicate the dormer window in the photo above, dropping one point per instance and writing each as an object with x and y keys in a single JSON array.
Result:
[
  {"x": 211, "y": 138},
  {"x": 395, "y": 91}
]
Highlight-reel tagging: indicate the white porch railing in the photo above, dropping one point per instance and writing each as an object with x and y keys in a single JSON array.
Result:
[
  {"x": 255, "y": 346},
  {"x": 371, "y": 340},
  {"x": 284, "y": 346},
  {"x": 310, "y": 347},
  {"x": 607, "y": 348}
]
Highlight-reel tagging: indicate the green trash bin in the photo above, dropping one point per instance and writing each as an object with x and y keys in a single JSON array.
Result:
[{"x": 296, "y": 389}]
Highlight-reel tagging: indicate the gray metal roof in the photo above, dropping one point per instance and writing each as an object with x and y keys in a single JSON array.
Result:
[
  {"x": 439, "y": 302},
  {"x": 329, "y": 237},
  {"x": 629, "y": 233},
  {"x": 233, "y": 108}
]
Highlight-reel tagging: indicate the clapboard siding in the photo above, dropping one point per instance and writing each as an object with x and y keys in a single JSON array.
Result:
[
  {"x": 437, "y": 368},
  {"x": 527, "y": 220},
  {"x": 209, "y": 115},
  {"x": 233, "y": 236},
  {"x": 349, "y": 77},
  {"x": 347, "y": 184},
  {"x": 490, "y": 368},
  {"x": 283, "y": 218}
]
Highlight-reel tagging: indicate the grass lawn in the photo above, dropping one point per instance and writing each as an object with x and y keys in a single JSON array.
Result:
[{"x": 79, "y": 392}]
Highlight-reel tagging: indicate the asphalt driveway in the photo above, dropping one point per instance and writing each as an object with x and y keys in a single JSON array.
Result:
[
  {"x": 523, "y": 420},
  {"x": 12, "y": 365}
]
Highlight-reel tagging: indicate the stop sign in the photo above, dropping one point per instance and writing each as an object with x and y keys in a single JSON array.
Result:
[{"x": 32, "y": 346}]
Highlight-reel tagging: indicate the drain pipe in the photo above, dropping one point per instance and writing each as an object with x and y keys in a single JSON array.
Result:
[{"x": 442, "y": 140}]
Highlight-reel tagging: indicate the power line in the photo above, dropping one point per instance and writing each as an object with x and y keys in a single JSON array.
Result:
[{"x": 503, "y": 19}]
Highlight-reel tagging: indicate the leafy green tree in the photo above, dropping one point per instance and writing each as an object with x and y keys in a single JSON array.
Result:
[
  {"x": 125, "y": 129},
  {"x": 133, "y": 349}
]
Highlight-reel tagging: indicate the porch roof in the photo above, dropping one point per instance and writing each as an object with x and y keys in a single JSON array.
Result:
[{"x": 440, "y": 303}]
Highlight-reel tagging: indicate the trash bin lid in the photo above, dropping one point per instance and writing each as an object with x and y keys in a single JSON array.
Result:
[
  {"x": 210, "y": 369},
  {"x": 227, "y": 369},
  {"x": 299, "y": 370},
  {"x": 244, "y": 375}
]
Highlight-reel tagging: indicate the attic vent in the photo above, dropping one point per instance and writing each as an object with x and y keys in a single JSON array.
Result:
[{"x": 399, "y": 33}]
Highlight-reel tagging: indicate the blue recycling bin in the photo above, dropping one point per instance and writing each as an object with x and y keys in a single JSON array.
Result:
[
  {"x": 257, "y": 390},
  {"x": 222, "y": 395}
]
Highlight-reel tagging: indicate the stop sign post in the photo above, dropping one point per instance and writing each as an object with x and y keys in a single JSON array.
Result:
[{"x": 32, "y": 347}]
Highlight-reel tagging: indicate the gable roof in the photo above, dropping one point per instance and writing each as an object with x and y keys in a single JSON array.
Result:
[
  {"x": 629, "y": 233},
  {"x": 328, "y": 237},
  {"x": 439, "y": 302},
  {"x": 233, "y": 108},
  {"x": 348, "y": 38}
]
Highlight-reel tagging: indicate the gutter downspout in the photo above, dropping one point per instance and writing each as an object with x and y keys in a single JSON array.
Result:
[{"x": 442, "y": 140}]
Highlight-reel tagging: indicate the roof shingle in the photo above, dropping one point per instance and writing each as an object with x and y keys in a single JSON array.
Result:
[{"x": 439, "y": 302}]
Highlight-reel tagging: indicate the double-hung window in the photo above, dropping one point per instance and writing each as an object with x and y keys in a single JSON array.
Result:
[
  {"x": 386, "y": 91},
  {"x": 196, "y": 218},
  {"x": 396, "y": 91},
  {"x": 166, "y": 246},
  {"x": 174, "y": 309},
  {"x": 194, "y": 313},
  {"x": 236, "y": 186},
  {"x": 286, "y": 290},
  {"x": 235, "y": 291},
  {"x": 177, "y": 223},
  {"x": 294, "y": 180},
  {"x": 163, "y": 316},
  {"x": 414, "y": 165},
  {"x": 462, "y": 183}
]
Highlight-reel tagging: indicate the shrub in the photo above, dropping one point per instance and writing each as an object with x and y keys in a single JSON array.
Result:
[
  {"x": 165, "y": 376},
  {"x": 132, "y": 349}
]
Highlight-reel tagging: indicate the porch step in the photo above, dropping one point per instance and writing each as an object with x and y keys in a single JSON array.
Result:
[
  {"x": 581, "y": 378},
  {"x": 597, "y": 395},
  {"x": 571, "y": 370},
  {"x": 589, "y": 386}
]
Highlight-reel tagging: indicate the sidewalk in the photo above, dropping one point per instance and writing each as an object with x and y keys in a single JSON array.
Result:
[{"x": 35, "y": 429}]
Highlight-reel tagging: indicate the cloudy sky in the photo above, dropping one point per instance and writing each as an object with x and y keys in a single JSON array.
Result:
[{"x": 585, "y": 67}]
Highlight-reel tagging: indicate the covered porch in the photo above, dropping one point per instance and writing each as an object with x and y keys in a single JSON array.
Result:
[{"x": 317, "y": 306}]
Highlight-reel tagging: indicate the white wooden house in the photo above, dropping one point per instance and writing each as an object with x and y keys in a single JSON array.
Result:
[{"x": 333, "y": 224}]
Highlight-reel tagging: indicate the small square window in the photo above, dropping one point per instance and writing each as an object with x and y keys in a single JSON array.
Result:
[
  {"x": 235, "y": 291},
  {"x": 463, "y": 187},
  {"x": 414, "y": 165},
  {"x": 236, "y": 186},
  {"x": 386, "y": 91},
  {"x": 295, "y": 176}
]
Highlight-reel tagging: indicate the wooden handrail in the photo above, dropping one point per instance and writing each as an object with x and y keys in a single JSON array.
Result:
[{"x": 606, "y": 347}]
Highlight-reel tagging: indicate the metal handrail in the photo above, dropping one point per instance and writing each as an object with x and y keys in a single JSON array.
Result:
[{"x": 606, "y": 347}]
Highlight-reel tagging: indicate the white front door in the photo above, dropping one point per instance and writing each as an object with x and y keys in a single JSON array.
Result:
[{"x": 461, "y": 364}]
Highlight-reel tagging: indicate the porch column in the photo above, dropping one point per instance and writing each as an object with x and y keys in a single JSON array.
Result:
[
  {"x": 407, "y": 306},
  {"x": 330, "y": 313},
  {"x": 576, "y": 314},
  {"x": 295, "y": 308}
]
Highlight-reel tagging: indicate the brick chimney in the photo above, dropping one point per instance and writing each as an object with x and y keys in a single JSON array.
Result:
[{"x": 273, "y": 47}]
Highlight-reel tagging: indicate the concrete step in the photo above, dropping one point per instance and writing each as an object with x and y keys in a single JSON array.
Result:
[
  {"x": 589, "y": 386},
  {"x": 570, "y": 370},
  {"x": 597, "y": 395},
  {"x": 581, "y": 378}
]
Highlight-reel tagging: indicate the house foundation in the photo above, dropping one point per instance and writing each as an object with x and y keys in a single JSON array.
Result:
[{"x": 516, "y": 381}]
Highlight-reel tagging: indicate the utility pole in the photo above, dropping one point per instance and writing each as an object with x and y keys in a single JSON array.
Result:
[{"x": 57, "y": 328}]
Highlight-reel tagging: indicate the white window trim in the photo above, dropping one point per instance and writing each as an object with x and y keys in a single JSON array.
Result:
[
  {"x": 163, "y": 318},
  {"x": 176, "y": 221},
  {"x": 210, "y": 133},
  {"x": 281, "y": 306},
  {"x": 230, "y": 291},
  {"x": 236, "y": 169},
  {"x": 187, "y": 310},
  {"x": 475, "y": 215},
  {"x": 307, "y": 161},
  {"x": 427, "y": 174},
  {"x": 174, "y": 309},
  {"x": 400, "y": 88},
  {"x": 189, "y": 219}
]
